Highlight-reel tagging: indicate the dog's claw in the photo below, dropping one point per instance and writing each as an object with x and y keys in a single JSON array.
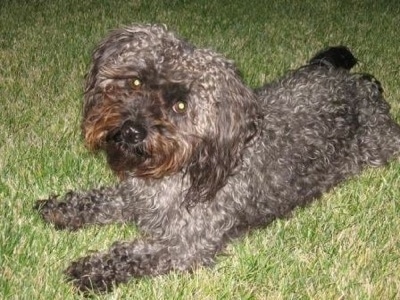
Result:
[
  {"x": 86, "y": 278},
  {"x": 55, "y": 212}
]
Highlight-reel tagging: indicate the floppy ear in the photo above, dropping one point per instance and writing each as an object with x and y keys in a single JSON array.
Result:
[
  {"x": 221, "y": 151},
  {"x": 109, "y": 49}
]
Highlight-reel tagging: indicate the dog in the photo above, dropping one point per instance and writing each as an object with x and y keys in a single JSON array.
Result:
[{"x": 203, "y": 158}]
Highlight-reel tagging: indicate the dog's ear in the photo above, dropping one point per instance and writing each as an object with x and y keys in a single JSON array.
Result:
[
  {"x": 107, "y": 52},
  {"x": 220, "y": 152}
]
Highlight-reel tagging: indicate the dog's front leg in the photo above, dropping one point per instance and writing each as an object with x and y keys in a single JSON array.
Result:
[
  {"x": 101, "y": 272},
  {"x": 185, "y": 240},
  {"x": 76, "y": 209}
]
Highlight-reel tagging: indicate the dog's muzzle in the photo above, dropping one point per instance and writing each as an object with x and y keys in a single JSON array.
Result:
[{"x": 130, "y": 133}]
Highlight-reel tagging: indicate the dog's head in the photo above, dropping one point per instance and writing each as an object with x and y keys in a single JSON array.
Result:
[{"x": 158, "y": 106}]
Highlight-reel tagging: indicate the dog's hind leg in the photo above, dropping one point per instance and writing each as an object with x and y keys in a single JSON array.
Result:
[{"x": 379, "y": 135}]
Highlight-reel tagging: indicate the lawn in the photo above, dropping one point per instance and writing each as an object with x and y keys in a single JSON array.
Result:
[{"x": 344, "y": 246}]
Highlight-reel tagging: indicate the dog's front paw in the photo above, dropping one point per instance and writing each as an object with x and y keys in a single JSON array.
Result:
[
  {"x": 92, "y": 274},
  {"x": 57, "y": 213}
]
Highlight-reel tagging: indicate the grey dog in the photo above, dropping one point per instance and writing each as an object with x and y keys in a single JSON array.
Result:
[{"x": 202, "y": 158}]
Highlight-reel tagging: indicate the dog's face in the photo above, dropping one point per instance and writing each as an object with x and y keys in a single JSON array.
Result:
[{"x": 157, "y": 106}]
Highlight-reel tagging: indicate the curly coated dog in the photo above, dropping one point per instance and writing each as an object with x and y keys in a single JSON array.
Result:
[{"x": 202, "y": 158}]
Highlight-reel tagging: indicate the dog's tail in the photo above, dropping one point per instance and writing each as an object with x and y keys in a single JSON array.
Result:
[{"x": 337, "y": 57}]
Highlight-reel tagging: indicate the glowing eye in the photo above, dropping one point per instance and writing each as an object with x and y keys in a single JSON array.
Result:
[
  {"x": 136, "y": 83},
  {"x": 180, "y": 107}
]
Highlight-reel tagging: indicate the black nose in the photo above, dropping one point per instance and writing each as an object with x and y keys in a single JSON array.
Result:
[{"x": 132, "y": 133}]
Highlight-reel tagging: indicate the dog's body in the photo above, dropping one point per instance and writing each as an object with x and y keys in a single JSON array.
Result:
[{"x": 203, "y": 158}]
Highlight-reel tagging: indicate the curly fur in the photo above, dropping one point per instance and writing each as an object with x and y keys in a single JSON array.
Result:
[{"x": 202, "y": 158}]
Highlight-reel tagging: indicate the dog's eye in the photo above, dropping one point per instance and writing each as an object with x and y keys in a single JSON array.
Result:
[
  {"x": 136, "y": 83},
  {"x": 180, "y": 107}
]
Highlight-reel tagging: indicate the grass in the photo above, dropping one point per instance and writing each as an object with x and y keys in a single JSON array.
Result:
[{"x": 345, "y": 246}]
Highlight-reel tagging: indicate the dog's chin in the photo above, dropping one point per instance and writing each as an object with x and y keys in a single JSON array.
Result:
[{"x": 124, "y": 157}]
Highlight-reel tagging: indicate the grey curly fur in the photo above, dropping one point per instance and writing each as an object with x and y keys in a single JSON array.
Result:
[{"x": 202, "y": 158}]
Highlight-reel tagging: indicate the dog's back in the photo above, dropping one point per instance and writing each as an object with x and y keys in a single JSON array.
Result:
[{"x": 321, "y": 124}]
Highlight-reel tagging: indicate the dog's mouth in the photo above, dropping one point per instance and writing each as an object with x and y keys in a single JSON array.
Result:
[{"x": 128, "y": 138}]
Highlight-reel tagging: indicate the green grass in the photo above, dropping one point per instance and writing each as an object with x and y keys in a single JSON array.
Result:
[{"x": 345, "y": 246}]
